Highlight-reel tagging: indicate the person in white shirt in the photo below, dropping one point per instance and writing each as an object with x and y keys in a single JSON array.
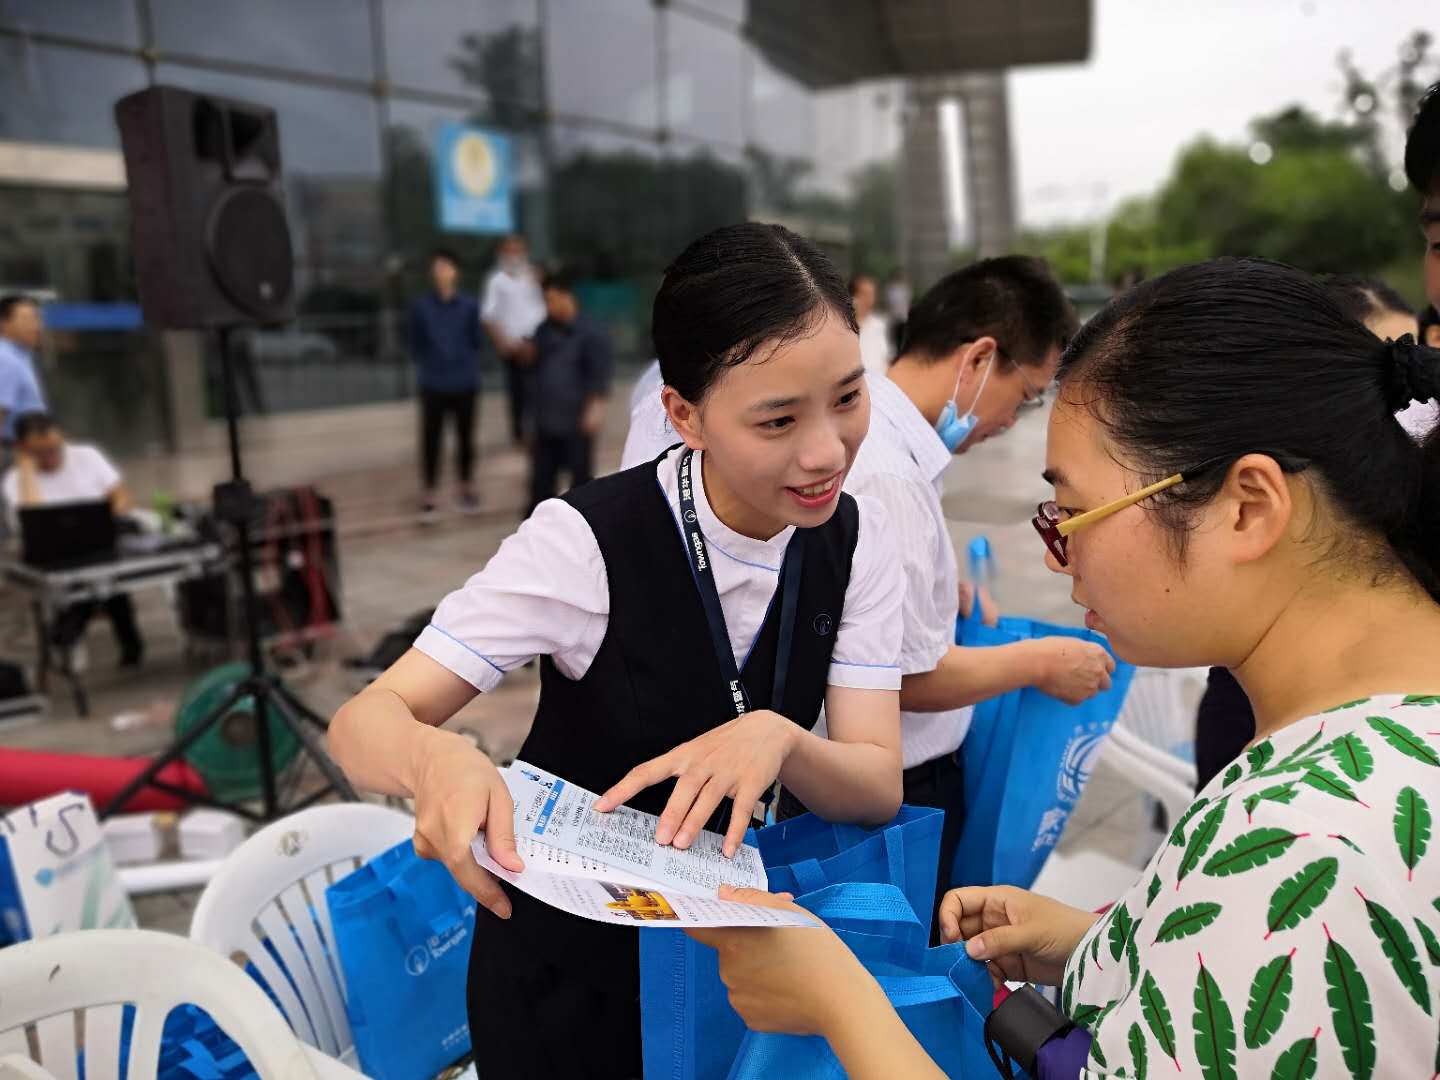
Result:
[
  {"x": 875, "y": 350},
  {"x": 511, "y": 307},
  {"x": 691, "y": 616},
  {"x": 49, "y": 470},
  {"x": 898, "y": 296},
  {"x": 980, "y": 343}
]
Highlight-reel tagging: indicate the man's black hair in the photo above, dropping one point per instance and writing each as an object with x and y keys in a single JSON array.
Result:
[
  {"x": 34, "y": 423},
  {"x": 9, "y": 303},
  {"x": 1013, "y": 298},
  {"x": 560, "y": 280},
  {"x": 1422, "y": 145}
]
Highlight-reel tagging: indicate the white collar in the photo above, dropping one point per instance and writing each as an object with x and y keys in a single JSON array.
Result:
[
  {"x": 918, "y": 436},
  {"x": 766, "y": 554}
]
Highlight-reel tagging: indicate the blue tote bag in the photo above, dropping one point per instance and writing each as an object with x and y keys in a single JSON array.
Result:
[
  {"x": 403, "y": 929},
  {"x": 689, "y": 1030},
  {"x": 941, "y": 994},
  {"x": 1026, "y": 759}
]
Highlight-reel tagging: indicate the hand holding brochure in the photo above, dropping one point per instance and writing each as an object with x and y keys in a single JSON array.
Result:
[{"x": 608, "y": 867}]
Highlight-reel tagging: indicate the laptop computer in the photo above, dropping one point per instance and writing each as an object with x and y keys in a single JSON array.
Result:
[{"x": 67, "y": 534}]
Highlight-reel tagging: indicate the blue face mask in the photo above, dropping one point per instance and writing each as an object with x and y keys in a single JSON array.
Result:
[{"x": 952, "y": 429}]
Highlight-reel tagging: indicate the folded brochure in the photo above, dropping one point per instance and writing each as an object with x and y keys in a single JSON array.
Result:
[{"x": 608, "y": 867}]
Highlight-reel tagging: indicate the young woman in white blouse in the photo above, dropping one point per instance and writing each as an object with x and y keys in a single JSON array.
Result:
[{"x": 692, "y": 615}]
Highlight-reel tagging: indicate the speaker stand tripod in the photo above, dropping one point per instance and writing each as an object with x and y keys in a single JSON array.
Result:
[{"x": 266, "y": 691}]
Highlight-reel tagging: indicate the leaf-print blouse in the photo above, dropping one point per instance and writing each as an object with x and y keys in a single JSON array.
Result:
[{"x": 1290, "y": 926}]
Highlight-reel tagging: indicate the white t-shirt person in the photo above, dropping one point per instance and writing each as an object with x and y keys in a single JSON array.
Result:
[
  {"x": 85, "y": 474},
  {"x": 513, "y": 303},
  {"x": 875, "y": 351}
]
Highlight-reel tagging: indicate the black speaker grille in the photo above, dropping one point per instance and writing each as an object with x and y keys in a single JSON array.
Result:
[{"x": 248, "y": 244}]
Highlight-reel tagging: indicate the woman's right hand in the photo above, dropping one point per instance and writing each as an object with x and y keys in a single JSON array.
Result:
[
  {"x": 458, "y": 793},
  {"x": 1021, "y": 936}
]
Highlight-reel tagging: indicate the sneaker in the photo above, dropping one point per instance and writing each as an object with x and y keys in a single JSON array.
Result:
[
  {"x": 468, "y": 503},
  {"x": 429, "y": 512}
]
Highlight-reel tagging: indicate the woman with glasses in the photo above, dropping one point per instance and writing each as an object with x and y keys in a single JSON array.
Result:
[{"x": 1231, "y": 488}]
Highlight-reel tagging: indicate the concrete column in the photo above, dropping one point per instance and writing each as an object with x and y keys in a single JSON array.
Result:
[
  {"x": 924, "y": 207},
  {"x": 989, "y": 168}
]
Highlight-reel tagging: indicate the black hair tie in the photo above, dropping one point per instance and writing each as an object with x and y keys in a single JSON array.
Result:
[{"x": 1414, "y": 372}]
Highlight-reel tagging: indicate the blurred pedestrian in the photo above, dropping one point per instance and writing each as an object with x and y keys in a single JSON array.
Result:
[
  {"x": 875, "y": 350},
  {"x": 573, "y": 364},
  {"x": 20, "y": 393},
  {"x": 445, "y": 343},
  {"x": 511, "y": 308},
  {"x": 898, "y": 297},
  {"x": 1430, "y": 327}
]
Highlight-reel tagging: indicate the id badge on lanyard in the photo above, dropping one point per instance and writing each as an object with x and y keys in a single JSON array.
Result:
[{"x": 704, "y": 573}]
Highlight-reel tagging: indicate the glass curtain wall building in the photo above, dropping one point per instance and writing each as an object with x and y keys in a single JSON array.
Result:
[{"x": 635, "y": 125}]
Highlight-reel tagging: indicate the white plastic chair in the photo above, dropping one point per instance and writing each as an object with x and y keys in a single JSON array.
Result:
[
  {"x": 272, "y": 889},
  {"x": 94, "y": 974},
  {"x": 1155, "y": 733}
]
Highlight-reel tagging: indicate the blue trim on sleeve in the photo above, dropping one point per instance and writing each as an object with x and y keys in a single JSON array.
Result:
[
  {"x": 852, "y": 663},
  {"x": 467, "y": 648}
]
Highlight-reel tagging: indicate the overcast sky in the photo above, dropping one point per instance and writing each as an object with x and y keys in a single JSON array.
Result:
[{"x": 1162, "y": 72}]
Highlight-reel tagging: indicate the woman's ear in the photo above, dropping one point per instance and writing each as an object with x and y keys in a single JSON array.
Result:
[
  {"x": 684, "y": 418},
  {"x": 1261, "y": 506}
]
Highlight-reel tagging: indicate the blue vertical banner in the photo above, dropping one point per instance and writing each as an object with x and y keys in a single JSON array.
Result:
[{"x": 474, "y": 180}]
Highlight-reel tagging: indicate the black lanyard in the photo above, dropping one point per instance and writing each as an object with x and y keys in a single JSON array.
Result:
[{"x": 704, "y": 574}]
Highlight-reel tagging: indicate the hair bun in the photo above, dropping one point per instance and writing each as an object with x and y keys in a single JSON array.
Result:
[{"x": 1414, "y": 372}]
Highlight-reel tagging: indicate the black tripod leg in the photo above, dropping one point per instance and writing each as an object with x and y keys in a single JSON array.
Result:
[
  {"x": 283, "y": 703},
  {"x": 177, "y": 750}
]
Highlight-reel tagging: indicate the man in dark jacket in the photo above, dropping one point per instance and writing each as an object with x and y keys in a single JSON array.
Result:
[
  {"x": 445, "y": 341},
  {"x": 573, "y": 364}
]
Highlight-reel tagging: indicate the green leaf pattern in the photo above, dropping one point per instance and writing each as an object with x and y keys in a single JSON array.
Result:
[
  {"x": 1201, "y": 839},
  {"x": 1350, "y": 1010},
  {"x": 1412, "y": 827},
  {"x": 1249, "y": 850},
  {"x": 1259, "y": 755},
  {"x": 1300, "y": 896},
  {"x": 1138, "y": 1052},
  {"x": 1353, "y": 756},
  {"x": 1314, "y": 957},
  {"x": 1404, "y": 740},
  {"x": 1187, "y": 921},
  {"x": 1214, "y": 1029},
  {"x": 1404, "y": 958},
  {"x": 1269, "y": 1000},
  {"x": 1299, "y": 1062}
]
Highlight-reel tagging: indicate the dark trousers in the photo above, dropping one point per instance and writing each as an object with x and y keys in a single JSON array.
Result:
[
  {"x": 939, "y": 784},
  {"x": 1224, "y": 723},
  {"x": 543, "y": 1016},
  {"x": 435, "y": 406},
  {"x": 518, "y": 380},
  {"x": 71, "y": 623},
  {"x": 573, "y": 453}
]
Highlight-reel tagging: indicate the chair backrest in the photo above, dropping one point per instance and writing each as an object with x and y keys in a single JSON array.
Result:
[
  {"x": 267, "y": 905},
  {"x": 53, "y": 985},
  {"x": 1153, "y": 739}
]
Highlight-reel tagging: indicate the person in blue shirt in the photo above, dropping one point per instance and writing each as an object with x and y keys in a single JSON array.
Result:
[
  {"x": 20, "y": 393},
  {"x": 571, "y": 380},
  {"x": 445, "y": 340}
]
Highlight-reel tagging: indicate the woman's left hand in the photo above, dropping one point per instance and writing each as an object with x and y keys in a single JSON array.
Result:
[
  {"x": 738, "y": 760},
  {"x": 788, "y": 979}
]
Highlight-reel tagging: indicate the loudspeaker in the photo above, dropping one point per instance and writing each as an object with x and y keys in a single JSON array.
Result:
[{"x": 212, "y": 247}]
